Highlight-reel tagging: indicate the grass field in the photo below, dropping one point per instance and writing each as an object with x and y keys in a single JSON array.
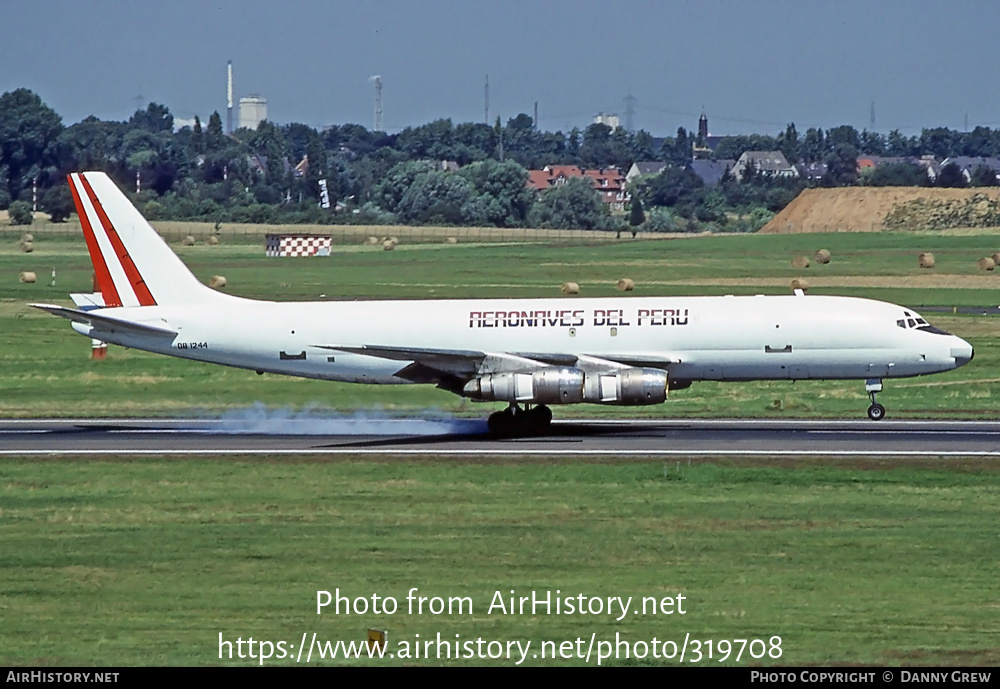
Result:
[
  {"x": 148, "y": 562},
  {"x": 46, "y": 368},
  {"x": 851, "y": 562}
]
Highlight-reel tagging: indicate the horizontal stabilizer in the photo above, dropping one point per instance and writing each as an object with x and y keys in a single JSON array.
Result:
[{"x": 106, "y": 324}]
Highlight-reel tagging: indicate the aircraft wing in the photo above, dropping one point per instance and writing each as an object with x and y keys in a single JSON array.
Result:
[
  {"x": 106, "y": 324},
  {"x": 448, "y": 367},
  {"x": 457, "y": 363}
]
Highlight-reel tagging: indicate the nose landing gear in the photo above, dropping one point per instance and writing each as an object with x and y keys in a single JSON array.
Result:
[
  {"x": 515, "y": 422},
  {"x": 876, "y": 412}
]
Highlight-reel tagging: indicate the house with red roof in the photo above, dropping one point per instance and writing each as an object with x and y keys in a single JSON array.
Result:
[{"x": 609, "y": 182}]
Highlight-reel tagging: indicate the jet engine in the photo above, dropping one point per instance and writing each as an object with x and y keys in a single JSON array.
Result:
[
  {"x": 544, "y": 386},
  {"x": 629, "y": 386}
]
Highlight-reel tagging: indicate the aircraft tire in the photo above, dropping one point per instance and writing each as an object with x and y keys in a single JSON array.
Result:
[
  {"x": 544, "y": 415},
  {"x": 501, "y": 424},
  {"x": 876, "y": 412}
]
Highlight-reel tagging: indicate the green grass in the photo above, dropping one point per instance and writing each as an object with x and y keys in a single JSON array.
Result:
[
  {"x": 46, "y": 368},
  {"x": 145, "y": 562}
]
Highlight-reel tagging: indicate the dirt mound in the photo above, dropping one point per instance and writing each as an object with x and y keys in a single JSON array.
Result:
[{"x": 872, "y": 209}]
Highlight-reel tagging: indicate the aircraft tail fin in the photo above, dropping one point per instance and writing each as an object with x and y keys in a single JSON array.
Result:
[{"x": 133, "y": 265}]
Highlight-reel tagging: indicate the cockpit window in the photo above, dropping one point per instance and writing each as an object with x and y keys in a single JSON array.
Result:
[{"x": 911, "y": 321}]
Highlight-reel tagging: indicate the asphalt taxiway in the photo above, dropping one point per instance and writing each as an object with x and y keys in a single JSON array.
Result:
[{"x": 462, "y": 437}]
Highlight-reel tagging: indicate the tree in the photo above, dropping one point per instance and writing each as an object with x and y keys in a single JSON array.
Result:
[
  {"x": 892, "y": 175},
  {"x": 388, "y": 194},
  {"x": 813, "y": 148},
  {"x": 788, "y": 143},
  {"x": 436, "y": 197},
  {"x": 506, "y": 198},
  {"x": 574, "y": 205},
  {"x": 898, "y": 145},
  {"x": 197, "y": 138},
  {"x": 155, "y": 118},
  {"x": 984, "y": 176},
  {"x": 951, "y": 176},
  {"x": 940, "y": 141},
  {"x": 873, "y": 143},
  {"x": 595, "y": 151},
  {"x": 20, "y": 213},
  {"x": 841, "y": 166},
  {"x": 636, "y": 216},
  {"x": 681, "y": 153},
  {"x": 28, "y": 131},
  {"x": 57, "y": 201},
  {"x": 671, "y": 187},
  {"x": 214, "y": 136}
]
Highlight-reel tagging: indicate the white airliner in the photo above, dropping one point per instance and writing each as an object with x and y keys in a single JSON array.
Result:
[{"x": 530, "y": 353}]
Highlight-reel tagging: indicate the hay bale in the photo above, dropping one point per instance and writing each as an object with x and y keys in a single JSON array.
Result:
[
  {"x": 217, "y": 282},
  {"x": 625, "y": 285},
  {"x": 28, "y": 237},
  {"x": 212, "y": 240},
  {"x": 987, "y": 264},
  {"x": 570, "y": 288},
  {"x": 28, "y": 276},
  {"x": 371, "y": 241},
  {"x": 394, "y": 240},
  {"x": 451, "y": 240},
  {"x": 800, "y": 262},
  {"x": 27, "y": 247},
  {"x": 926, "y": 260},
  {"x": 822, "y": 256},
  {"x": 800, "y": 283},
  {"x": 188, "y": 241},
  {"x": 996, "y": 258},
  {"x": 388, "y": 245}
]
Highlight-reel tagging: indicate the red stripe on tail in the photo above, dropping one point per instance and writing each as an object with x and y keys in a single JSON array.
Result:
[
  {"x": 107, "y": 285},
  {"x": 142, "y": 293}
]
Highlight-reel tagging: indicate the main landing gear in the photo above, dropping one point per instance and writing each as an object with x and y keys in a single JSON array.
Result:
[
  {"x": 515, "y": 422},
  {"x": 876, "y": 412}
]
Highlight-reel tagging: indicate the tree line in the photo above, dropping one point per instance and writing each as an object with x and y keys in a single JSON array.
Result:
[{"x": 199, "y": 173}]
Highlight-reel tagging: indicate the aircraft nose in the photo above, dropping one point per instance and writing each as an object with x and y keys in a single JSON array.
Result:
[{"x": 962, "y": 352}]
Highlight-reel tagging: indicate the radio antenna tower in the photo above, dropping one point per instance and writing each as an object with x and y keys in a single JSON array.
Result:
[
  {"x": 378, "y": 102},
  {"x": 486, "y": 100}
]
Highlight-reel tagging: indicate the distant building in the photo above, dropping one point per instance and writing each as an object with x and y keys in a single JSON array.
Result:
[
  {"x": 705, "y": 144},
  {"x": 253, "y": 111},
  {"x": 610, "y": 119},
  {"x": 812, "y": 172},
  {"x": 609, "y": 182},
  {"x": 711, "y": 171},
  {"x": 644, "y": 168},
  {"x": 552, "y": 176},
  {"x": 302, "y": 169},
  {"x": 771, "y": 163},
  {"x": 968, "y": 165}
]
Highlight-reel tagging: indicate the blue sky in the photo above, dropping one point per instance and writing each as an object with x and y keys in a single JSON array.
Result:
[{"x": 753, "y": 66}]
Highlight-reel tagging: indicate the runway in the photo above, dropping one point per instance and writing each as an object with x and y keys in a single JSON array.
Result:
[{"x": 461, "y": 437}]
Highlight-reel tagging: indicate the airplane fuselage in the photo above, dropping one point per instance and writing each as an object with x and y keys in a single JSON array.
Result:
[{"x": 693, "y": 338}]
